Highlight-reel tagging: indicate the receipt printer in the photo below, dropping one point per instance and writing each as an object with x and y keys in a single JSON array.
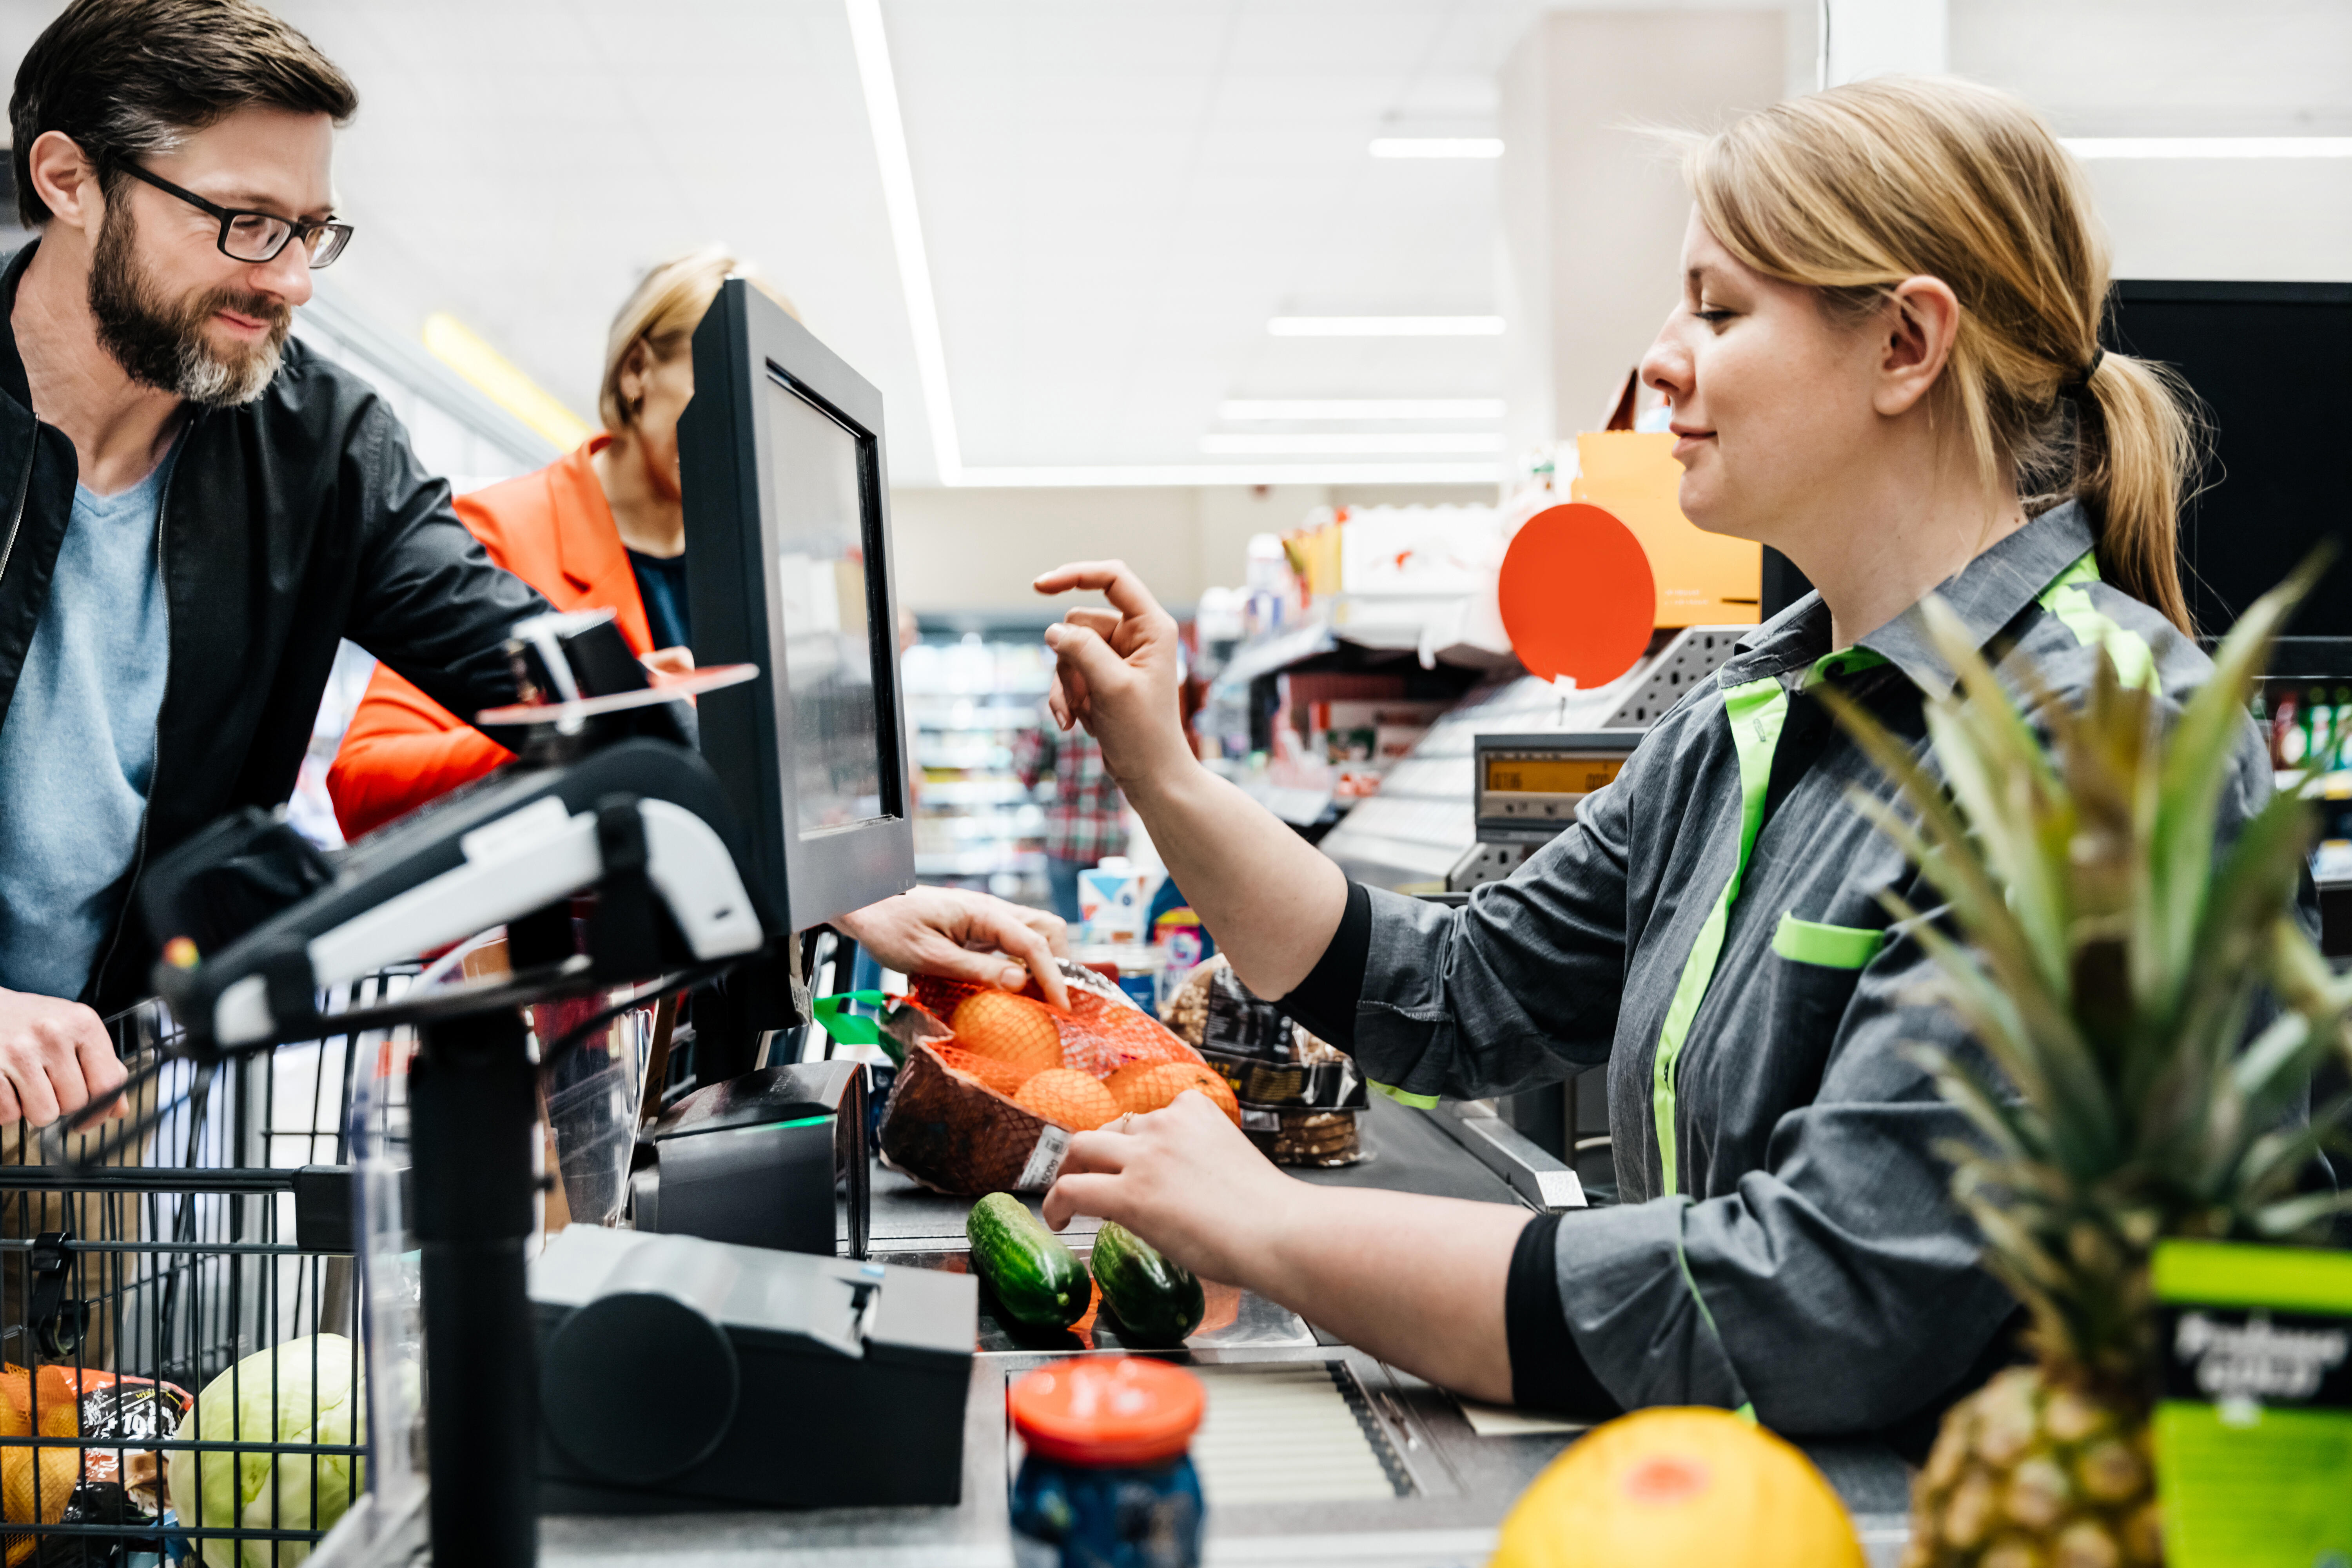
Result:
[
  {"x": 680, "y": 1373},
  {"x": 755, "y": 1161}
]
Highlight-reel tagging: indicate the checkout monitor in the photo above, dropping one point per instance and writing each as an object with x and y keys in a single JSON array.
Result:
[
  {"x": 782, "y": 463},
  {"x": 2272, "y": 362}
]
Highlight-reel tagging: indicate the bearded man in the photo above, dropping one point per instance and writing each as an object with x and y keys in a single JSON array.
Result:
[{"x": 193, "y": 509}]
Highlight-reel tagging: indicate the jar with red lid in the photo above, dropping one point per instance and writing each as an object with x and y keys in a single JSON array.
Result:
[{"x": 1107, "y": 1481}]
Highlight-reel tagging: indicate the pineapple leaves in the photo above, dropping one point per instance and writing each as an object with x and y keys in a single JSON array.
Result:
[{"x": 2107, "y": 951}]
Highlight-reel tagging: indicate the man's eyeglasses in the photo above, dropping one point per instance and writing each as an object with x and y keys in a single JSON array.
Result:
[{"x": 258, "y": 237}]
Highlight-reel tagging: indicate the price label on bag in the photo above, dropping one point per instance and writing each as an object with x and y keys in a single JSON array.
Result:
[{"x": 1045, "y": 1160}]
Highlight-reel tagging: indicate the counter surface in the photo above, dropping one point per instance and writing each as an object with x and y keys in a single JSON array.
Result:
[{"x": 1400, "y": 1476}]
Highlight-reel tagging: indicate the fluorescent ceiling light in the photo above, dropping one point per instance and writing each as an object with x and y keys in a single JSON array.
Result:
[
  {"x": 1437, "y": 146},
  {"x": 1343, "y": 444},
  {"x": 871, "y": 46},
  {"x": 458, "y": 346},
  {"x": 1385, "y": 326},
  {"x": 1362, "y": 408},
  {"x": 1177, "y": 474},
  {"x": 2209, "y": 146}
]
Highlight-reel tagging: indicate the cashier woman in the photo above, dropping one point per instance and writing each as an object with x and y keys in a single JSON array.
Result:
[
  {"x": 194, "y": 510},
  {"x": 1884, "y": 364}
]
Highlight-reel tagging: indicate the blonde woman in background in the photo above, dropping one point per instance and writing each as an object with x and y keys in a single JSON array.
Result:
[
  {"x": 1886, "y": 365},
  {"x": 604, "y": 527}
]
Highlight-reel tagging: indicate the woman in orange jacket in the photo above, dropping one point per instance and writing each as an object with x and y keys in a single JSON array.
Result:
[{"x": 605, "y": 526}]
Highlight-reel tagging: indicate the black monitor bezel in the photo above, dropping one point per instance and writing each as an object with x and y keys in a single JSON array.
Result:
[{"x": 726, "y": 466}]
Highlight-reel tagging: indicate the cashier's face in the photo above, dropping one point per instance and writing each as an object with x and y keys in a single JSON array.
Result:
[
  {"x": 1772, "y": 400},
  {"x": 174, "y": 312}
]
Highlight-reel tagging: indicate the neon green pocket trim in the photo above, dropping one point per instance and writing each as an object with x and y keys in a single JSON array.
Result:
[
  {"x": 1756, "y": 713},
  {"x": 1418, "y": 1102},
  {"x": 1832, "y": 947},
  {"x": 2093, "y": 627}
]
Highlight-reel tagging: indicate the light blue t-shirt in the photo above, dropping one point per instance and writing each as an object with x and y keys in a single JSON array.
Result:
[{"x": 78, "y": 745}]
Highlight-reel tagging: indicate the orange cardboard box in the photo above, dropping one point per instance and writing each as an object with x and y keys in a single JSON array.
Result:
[{"x": 1704, "y": 579}]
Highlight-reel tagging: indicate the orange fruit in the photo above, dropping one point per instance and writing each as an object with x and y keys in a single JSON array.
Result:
[
  {"x": 1005, "y": 1078},
  {"x": 1009, "y": 1027},
  {"x": 1153, "y": 1086},
  {"x": 1067, "y": 1098}
]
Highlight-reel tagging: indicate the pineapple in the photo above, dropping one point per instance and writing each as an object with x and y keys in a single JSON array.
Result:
[{"x": 2108, "y": 968}]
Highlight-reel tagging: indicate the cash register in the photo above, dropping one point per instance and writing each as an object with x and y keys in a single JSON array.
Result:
[{"x": 647, "y": 1371}]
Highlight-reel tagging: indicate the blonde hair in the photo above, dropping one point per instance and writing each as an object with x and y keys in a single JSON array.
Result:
[
  {"x": 662, "y": 312},
  {"x": 1853, "y": 190}
]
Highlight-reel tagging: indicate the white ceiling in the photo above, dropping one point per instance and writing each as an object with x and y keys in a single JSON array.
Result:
[{"x": 1114, "y": 195}]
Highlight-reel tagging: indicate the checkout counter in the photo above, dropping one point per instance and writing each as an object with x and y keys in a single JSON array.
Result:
[{"x": 1313, "y": 1452}]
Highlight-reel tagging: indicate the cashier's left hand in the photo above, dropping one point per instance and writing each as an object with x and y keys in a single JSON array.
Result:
[
  {"x": 960, "y": 935},
  {"x": 1186, "y": 1180}
]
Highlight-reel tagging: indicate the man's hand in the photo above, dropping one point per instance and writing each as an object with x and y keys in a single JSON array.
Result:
[
  {"x": 958, "y": 935},
  {"x": 55, "y": 1058},
  {"x": 1115, "y": 672},
  {"x": 1187, "y": 1180}
]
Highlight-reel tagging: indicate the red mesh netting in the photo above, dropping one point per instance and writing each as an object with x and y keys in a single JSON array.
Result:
[
  {"x": 1099, "y": 1033},
  {"x": 963, "y": 1133}
]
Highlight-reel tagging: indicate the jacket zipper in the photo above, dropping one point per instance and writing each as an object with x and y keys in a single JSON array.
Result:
[
  {"x": 16, "y": 519},
  {"x": 155, "y": 753}
]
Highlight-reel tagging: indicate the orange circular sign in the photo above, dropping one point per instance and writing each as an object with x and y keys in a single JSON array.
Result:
[{"x": 1577, "y": 596}]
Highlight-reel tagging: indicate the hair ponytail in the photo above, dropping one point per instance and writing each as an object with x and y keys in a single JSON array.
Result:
[
  {"x": 1850, "y": 190},
  {"x": 2136, "y": 442}
]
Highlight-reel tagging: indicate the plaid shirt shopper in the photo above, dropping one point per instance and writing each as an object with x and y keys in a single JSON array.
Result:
[{"x": 1085, "y": 820}]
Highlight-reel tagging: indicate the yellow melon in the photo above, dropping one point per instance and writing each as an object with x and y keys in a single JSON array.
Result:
[{"x": 1672, "y": 1487}]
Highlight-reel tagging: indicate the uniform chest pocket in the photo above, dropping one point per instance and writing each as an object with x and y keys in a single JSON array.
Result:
[
  {"x": 1810, "y": 987},
  {"x": 1826, "y": 946}
]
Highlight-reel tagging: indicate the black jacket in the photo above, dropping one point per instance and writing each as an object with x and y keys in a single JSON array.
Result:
[{"x": 290, "y": 523}]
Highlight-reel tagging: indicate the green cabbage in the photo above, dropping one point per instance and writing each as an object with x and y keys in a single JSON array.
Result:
[{"x": 267, "y": 1397}]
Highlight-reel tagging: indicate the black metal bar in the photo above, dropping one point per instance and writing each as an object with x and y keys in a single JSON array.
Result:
[{"x": 472, "y": 1100}]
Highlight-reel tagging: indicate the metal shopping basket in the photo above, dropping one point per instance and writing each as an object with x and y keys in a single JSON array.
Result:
[{"x": 181, "y": 1324}]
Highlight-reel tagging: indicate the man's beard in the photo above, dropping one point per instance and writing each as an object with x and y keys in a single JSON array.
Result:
[{"x": 164, "y": 345}]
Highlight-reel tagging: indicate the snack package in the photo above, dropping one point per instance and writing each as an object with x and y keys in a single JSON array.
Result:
[
  {"x": 956, "y": 1120},
  {"x": 1299, "y": 1096},
  {"x": 114, "y": 1486}
]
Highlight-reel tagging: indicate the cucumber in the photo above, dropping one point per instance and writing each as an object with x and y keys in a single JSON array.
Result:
[
  {"x": 1156, "y": 1303},
  {"x": 1038, "y": 1281}
]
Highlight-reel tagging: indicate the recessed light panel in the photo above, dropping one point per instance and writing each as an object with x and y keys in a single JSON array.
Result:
[{"x": 1385, "y": 326}]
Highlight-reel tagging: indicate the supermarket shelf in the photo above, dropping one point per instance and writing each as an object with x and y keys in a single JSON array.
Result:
[
  {"x": 1299, "y": 807},
  {"x": 1268, "y": 656},
  {"x": 981, "y": 863},
  {"x": 967, "y": 793}
]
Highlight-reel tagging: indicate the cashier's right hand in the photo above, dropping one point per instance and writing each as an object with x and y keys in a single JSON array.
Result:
[
  {"x": 1186, "y": 1179},
  {"x": 55, "y": 1058},
  {"x": 1117, "y": 671}
]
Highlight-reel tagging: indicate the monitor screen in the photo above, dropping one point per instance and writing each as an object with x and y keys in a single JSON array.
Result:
[
  {"x": 826, "y": 703},
  {"x": 2267, "y": 360},
  {"x": 784, "y": 469}
]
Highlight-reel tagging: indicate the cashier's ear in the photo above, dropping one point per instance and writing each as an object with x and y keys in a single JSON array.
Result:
[{"x": 1915, "y": 330}]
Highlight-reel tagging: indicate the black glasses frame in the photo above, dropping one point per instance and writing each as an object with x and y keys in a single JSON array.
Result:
[{"x": 338, "y": 234}]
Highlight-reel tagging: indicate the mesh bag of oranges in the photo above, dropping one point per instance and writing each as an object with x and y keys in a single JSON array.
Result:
[{"x": 995, "y": 1082}]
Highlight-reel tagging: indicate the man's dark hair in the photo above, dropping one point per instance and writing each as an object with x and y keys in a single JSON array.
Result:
[{"x": 126, "y": 78}]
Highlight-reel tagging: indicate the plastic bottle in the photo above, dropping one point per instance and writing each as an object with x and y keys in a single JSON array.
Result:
[{"x": 1107, "y": 1481}]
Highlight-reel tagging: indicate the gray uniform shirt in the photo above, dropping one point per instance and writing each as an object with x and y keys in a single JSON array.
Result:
[{"x": 1805, "y": 1256}]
